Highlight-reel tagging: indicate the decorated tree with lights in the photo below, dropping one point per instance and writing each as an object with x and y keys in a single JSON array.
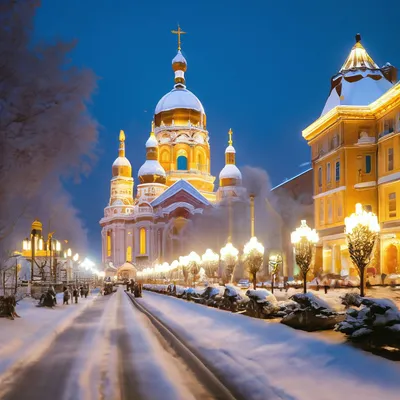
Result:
[
  {"x": 184, "y": 263},
  {"x": 253, "y": 256},
  {"x": 210, "y": 262},
  {"x": 194, "y": 266},
  {"x": 275, "y": 263},
  {"x": 229, "y": 255},
  {"x": 361, "y": 230},
  {"x": 304, "y": 239}
]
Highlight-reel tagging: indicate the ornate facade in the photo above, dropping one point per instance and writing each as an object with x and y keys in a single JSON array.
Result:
[
  {"x": 174, "y": 183},
  {"x": 355, "y": 146}
]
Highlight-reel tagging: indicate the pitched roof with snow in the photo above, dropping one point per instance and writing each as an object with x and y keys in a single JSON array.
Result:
[{"x": 178, "y": 186}]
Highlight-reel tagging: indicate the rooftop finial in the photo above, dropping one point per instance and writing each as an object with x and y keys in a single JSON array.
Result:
[
  {"x": 121, "y": 150},
  {"x": 178, "y": 32},
  {"x": 230, "y": 133},
  {"x": 152, "y": 128},
  {"x": 121, "y": 136},
  {"x": 358, "y": 38}
]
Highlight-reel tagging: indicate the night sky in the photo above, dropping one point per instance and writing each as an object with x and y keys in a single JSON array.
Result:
[{"x": 261, "y": 68}]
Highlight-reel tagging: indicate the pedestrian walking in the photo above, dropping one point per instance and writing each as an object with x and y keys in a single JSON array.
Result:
[
  {"x": 75, "y": 294},
  {"x": 66, "y": 296},
  {"x": 132, "y": 286},
  {"x": 82, "y": 291},
  {"x": 86, "y": 291}
]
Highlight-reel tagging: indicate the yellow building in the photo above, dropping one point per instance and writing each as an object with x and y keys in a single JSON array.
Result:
[{"x": 355, "y": 150}]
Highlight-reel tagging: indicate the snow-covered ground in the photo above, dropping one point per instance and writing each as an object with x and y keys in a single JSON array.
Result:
[
  {"x": 27, "y": 337},
  {"x": 271, "y": 361}
]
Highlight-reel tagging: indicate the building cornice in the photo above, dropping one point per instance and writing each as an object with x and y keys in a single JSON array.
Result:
[
  {"x": 389, "y": 178},
  {"x": 327, "y": 193}
]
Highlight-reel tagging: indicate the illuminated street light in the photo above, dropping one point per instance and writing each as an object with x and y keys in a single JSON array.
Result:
[
  {"x": 361, "y": 230},
  {"x": 253, "y": 255},
  {"x": 229, "y": 254},
  {"x": 210, "y": 262},
  {"x": 304, "y": 239}
]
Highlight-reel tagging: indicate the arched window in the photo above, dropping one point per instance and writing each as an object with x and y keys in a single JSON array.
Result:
[
  {"x": 142, "y": 241},
  {"x": 182, "y": 163},
  {"x": 129, "y": 253},
  {"x": 108, "y": 243}
]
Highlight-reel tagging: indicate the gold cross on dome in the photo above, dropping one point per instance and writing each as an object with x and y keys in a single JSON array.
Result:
[
  {"x": 230, "y": 133},
  {"x": 179, "y": 32}
]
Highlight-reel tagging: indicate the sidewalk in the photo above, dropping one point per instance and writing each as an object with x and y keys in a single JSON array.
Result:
[{"x": 25, "y": 338}]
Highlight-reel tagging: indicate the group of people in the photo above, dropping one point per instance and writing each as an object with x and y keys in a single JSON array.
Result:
[
  {"x": 134, "y": 287},
  {"x": 76, "y": 291}
]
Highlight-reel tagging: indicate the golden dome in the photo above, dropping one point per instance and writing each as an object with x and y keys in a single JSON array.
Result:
[
  {"x": 37, "y": 225},
  {"x": 122, "y": 166}
]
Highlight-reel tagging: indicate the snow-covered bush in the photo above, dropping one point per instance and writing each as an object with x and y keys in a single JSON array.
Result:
[
  {"x": 262, "y": 295},
  {"x": 376, "y": 323}
]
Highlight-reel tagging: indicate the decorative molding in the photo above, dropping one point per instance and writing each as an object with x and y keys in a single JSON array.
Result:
[
  {"x": 389, "y": 178},
  {"x": 363, "y": 185},
  {"x": 327, "y": 193}
]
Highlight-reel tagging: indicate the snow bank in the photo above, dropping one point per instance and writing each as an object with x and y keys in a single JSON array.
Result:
[
  {"x": 271, "y": 361},
  {"x": 25, "y": 339}
]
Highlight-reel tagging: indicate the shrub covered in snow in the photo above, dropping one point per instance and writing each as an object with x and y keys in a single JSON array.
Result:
[
  {"x": 313, "y": 314},
  {"x": 376, "y": 323}
]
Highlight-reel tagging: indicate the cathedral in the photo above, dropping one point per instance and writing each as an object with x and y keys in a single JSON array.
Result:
[{"x": 175, "y": 183}]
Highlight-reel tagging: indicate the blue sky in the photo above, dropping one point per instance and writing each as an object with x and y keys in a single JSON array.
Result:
[{"x": 261, "y": 68}]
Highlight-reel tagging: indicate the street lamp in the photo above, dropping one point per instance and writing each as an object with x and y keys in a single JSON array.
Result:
[
  {"x": 229, "y": 254},
  {"x": 194, "y": 266},
  {"x": 361, "y": 230},
  {"x": 275, "y": 262},
  {"x": 304, "y": 239},
  {"x": 253, "y": 254},
  {"x": 210, "y": 261}
]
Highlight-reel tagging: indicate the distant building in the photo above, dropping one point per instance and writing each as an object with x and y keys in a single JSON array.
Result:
[
  {"x": 293, "y": 201},
  {"x": 355, "y": 147},
  {"x": 149, "y": 224}
]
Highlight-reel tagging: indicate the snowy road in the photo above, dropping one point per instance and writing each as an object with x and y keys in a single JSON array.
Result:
[{"x": 110, "y": 351}]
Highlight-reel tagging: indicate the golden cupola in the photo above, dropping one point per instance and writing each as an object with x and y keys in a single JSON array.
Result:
[
  {"x": 230, "y": 175},
  {"x": 122, "y": 166},
  {"x": 360, "y": 81},
  {"x": 180, "y": 105},
  {"x": 152, "y": 171}
]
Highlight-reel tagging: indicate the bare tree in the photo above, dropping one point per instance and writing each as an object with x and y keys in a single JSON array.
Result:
[
  {"x": 253, "y": 261},
  {"x": 46, "y": 131}
]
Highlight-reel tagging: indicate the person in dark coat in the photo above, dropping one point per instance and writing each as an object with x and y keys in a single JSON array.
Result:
[
  {"x": 52, "y": 292},
  {"x": 75, "y": 294},
  {"x": 132, "y": 285},
  {"x": 86, "y": 291},
  {"x": 66, "y": 296},
  {"x": 127, "y": 286},
  {"x": 82, "y": 290}
]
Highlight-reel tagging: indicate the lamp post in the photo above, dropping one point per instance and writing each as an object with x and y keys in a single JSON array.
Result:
[
  {"x": 253, "y": 254},
  {"x": 361, "y": 230},
  {"x": 229, "y": 254},
  {"x": 304, "y": 239},
  {"x": 275, "y": 262},
  {"x": 210, "y": 261}
]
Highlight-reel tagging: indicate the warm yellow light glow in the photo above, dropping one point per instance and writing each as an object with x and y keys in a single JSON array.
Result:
[
  {"x": 184, "y": 260},
  {"x": 361, "y": 217},
  {"x": 76, "y": 257},
  {"x": 209, "y": 256},
  {"x": 58, "y": 246},
  {"x": 40, "y": 244},
  {"x": 251, "y": 245},
  {"x": 194, "y": 258},
  {"x": 26, "y": 244},
  {"x": 129, "y": 253},
  {"x": 304, "y": 232},
  {"x": 69, "y": 253},
  {"x": 229, "y": 251},
  {"x": 142, "y": 240},
  {"x": 108, "y": 244}
]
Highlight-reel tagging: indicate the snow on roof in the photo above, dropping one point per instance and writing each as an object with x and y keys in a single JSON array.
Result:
[
  {"x": 121, "y": 162},
  {"x": 179, "y": 98},
  {"x": 151, "y": 167},
  {"x": 151, "y": 142},
  {"x": 359, "y": 93},
  {"x": 230, "y": 149},
  {"x": 179, "y": 58},
  {"x": 230, "y": 171},
  {"x": 291, "y": 179},
  {"x": 175, "y": 188}
]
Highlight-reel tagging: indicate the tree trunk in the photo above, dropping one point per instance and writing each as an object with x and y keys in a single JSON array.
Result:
[
  {"x": 272, "y": 283},
  {"x": 305, "y": 282},
  {"x": 362, "y": 271},
  {"x": 255, "y": 281}
]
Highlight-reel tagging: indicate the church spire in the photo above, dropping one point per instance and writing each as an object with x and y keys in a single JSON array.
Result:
[
  {"x": 179, "y": 64},
  {"x": 121, "y": 151},
  {"x": 230, "y": 151},
  {"x": 358, "y": 58}
]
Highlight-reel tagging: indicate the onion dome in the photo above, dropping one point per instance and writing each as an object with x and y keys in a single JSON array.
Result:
[
  {"x": 152, "y": 171},
  {"x": 37, "y": 226},
  {"x": 230, "y": 175},
  {"x": 180, "y": 105},
  {"x": 122, "y": 166},
  {"x": 360, "y": 81}
]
